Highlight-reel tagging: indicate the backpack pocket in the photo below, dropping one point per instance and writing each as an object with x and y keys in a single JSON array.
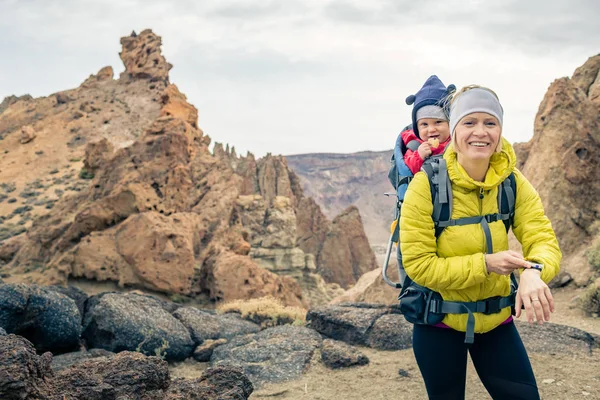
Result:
[{"x": 415, "y": 305}]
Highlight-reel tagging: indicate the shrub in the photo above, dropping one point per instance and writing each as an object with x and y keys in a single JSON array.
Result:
[
  {"x": 265, "y": 311},
  {"x": 593, "y": 256},
  {"x": 590, "y": 301},
  {"x": 85, "y": 174}
]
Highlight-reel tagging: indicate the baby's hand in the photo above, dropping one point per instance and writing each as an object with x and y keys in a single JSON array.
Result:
[{"x": 424, "y": 150}]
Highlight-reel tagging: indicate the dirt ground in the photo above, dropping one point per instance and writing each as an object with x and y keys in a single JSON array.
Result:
[{"x": 395, "y": 375}]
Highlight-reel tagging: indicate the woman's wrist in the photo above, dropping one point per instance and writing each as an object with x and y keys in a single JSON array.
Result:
[{"x": 531, "y": 271}]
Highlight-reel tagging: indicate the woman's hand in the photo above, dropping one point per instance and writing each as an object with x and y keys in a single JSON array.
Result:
[
  {"x": 535, "y": 295},
  {"x": 424, "y": 150},
  {"x": 505, "y": 262}
]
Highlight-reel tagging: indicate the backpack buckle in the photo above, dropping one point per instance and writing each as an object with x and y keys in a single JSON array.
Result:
[
  {"x": 492, "y": 305},
  {"x": 491, "y": 218}
]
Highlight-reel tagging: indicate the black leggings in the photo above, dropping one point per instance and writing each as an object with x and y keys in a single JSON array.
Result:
[{"x": 499, "y": 358}]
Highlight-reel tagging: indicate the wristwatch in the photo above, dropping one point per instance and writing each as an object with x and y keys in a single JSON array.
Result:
[{"x": 537, "y": 266}]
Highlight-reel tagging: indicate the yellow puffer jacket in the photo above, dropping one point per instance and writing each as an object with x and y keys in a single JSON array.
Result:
[{"x": 454, "y": 265}]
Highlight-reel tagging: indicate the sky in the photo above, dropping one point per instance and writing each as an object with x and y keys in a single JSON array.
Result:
[{"x": 306, "y": 76}]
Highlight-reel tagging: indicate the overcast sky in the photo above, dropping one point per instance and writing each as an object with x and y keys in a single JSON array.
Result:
[{"x": 298, "y": 76}]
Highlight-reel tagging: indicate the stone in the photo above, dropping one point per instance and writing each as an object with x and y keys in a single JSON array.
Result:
[
  {"x": 27, "y": 134},
  {"x": 203, "y": 352},
  {"x": 270, "y": 355},
  {"x": 50, "y": 320},
  {"x": 118, "y": 322},
  {"x": 335, "y": 355}
]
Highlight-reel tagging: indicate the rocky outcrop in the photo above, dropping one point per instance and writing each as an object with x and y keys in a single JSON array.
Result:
[
  {"x": 346, "y": 254},
  {"x": 337, "y": 181},
  {"x": 152, "y": 207},
  {"x": 142, "y": 57},
  {"x": 25, "y": 375},
  {"x": 27, "y": 134},
  {"x": 562, "y": 161},
  {"x": 370, "y": 288},
  {"x": 10, "y": 100}
]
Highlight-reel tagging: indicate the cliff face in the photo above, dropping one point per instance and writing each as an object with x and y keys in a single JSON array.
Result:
[
  {"x": 337, "y": 181},
  {"x": 114, "y": 181},
  {"x": 562, "y": 161}
]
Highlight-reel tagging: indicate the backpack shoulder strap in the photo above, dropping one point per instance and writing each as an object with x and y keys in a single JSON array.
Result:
[
  {"x": 507, "y": 194},
  {"x": 413, "y": 145},
  {"x": 441, "y": 191}
]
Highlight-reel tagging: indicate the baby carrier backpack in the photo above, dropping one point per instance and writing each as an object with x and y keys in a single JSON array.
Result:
[{"x": 419, "y": 304}]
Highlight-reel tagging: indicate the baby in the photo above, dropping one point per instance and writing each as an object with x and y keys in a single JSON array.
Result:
[{"x": 430, "y": 127}]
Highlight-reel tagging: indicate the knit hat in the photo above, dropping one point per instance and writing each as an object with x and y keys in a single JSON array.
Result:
[
  {"x": 433, "y": 92},
  {"x": 475, "y": 100},
  {"x": 435, "y": 112}
]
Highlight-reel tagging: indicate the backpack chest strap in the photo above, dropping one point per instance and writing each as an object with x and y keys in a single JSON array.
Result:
[{"x": 484, "y": 221}]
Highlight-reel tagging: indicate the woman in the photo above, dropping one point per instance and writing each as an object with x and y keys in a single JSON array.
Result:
[{"x": 456, "y": 264}]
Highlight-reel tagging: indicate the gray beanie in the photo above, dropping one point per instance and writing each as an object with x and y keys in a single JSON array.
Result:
[
  {"x": 472, "y": 101},
  {"x": 431, "y": 111}
]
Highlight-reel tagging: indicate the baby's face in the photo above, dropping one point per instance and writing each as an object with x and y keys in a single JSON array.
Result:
[{"x": 430, "y": 128}]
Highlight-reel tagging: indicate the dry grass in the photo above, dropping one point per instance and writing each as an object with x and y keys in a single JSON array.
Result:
[{"x": 265, "y": 311}]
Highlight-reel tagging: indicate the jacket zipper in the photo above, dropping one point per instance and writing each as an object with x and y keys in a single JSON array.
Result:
[{"x": 481, "y": 289}]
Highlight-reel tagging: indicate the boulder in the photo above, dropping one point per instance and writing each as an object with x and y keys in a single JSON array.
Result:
[
  {"x": 118, "y": 322},
  {"x": 204, "y": 326},
  {"x": 50, "y": 320},
  {"x": 335, "y": 355},
  {"x": 23, "y": 374},
  {"x": 124, "y": 376},
  {"x": 272, "y": 355},
  {"x": 223, "y": 383},
  {"x": 74, "y": 293},
  {"x": 63, "y": 361},
  {"x": 204, "y": 351}
]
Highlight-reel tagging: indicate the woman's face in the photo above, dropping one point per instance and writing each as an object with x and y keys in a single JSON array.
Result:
[
  {"x": 477, "y": 135},
  {"x": 430, "y": 128}
]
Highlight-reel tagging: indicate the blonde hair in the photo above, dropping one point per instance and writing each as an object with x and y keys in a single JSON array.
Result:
[{"x": 452, "y": 98}]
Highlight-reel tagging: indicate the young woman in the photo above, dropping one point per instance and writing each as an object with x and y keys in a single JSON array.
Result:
[{"x": 459, "y": 267}]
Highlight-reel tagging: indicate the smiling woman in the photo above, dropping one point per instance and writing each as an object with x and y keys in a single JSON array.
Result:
[{"x": 467, "y": 267}]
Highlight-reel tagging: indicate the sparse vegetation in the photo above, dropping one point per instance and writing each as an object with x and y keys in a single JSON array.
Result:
[
  {"x": 75, "y": 159},
  {"x": 29, "y": 193},
  {"x": 9, "y": 230},
  {"x": 593, "y": 256},
  {"x": 160, "y": 351},
  {"x": 85, "y": 174},
  {"x": 265, "y": 311},
  {"x": 37, "y": 184},
  {"x": 590, "y": 301},
  {"x": 8, "y": 187},
  {"x": 178, "y": 298}
]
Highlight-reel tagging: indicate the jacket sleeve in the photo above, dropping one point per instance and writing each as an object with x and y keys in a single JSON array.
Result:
[
  {"x": 534, "y": 230},
  {"x": 418, "y": 245},
  {"x": 413, "y": 160}
]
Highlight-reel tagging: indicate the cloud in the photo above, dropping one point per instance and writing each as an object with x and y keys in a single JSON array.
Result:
[{"x": 307, "y": 75}]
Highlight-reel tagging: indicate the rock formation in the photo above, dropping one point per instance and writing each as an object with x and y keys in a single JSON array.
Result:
[
  {"x": 152, "y": 207},
  {"x": 562, "y": 161}
]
